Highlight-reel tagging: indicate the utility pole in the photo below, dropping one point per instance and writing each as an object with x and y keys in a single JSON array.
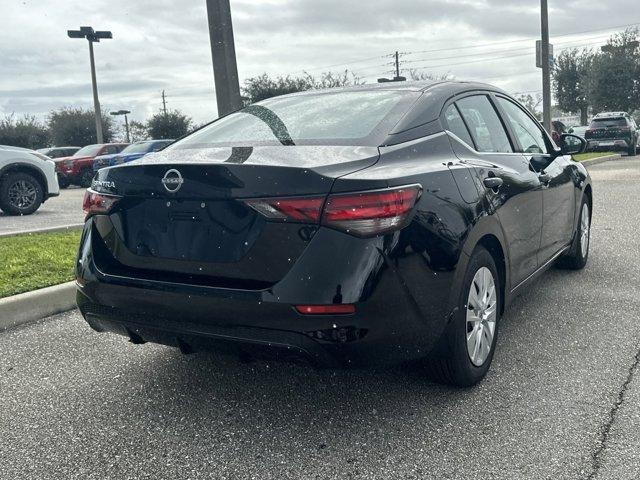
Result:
[
  {"x": 93, "y": 36},
  {"x": 164, "y": 104},
  {"x": 397, "y": 65},
  {"x": 223, "y": 53},
  {"x": 126, "y": 121},
  {"x": 546, "y": 66}
]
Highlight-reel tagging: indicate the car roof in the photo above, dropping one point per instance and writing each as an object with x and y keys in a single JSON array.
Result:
[
  {"x": 611, "y": 114},
  {"x": 412, "y": 86},
  {"x": 427, "y": 107}
]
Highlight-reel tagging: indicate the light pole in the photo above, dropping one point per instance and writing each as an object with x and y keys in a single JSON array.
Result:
[
  {"x": 93, "y": 36},
  {"x": 546, "y": 67},
  {"x": 126, "y": 122},
  {"x": 223, "y": 53}
]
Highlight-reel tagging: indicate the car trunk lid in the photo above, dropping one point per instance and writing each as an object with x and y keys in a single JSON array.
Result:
[{"x": 183, "y": 214}]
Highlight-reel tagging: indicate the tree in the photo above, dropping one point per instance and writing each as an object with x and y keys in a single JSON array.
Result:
[
  {"x": 616, "y": 74},
  {"x": 138, "y": 131},
  {"x": 26, "y": 132},
  {"x": 75, "y": 126},
  {"x": 531, "y": 104},
  {"x": 419, "y": 76},
  {"x": 173, "y": 124},
  {"x": 571, "y": 81},
  {"x": 263, "y": 86}
]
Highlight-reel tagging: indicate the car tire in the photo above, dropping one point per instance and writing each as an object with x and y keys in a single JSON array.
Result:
[
  {"x": 633, "y": 150},
  {"x": 578, "y": 255},
  {"x": 454, "y": 361},
  {"x": 63, "y": 182},
  {"x": 86, "y": 178},
  {"x": 20, "y": 194}
]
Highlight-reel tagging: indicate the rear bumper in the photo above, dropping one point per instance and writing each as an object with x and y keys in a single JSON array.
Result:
[
  {"x": 375, "y": 335},
  {"x": 602, "y": 145},
  {"x": 393, "y": 322}
]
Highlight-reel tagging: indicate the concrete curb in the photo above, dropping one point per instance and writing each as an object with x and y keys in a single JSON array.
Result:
[
  {"x": 596, "y": 161},
  {"x": 64, "y": 228},
  {"x": 31, "y": 306}
]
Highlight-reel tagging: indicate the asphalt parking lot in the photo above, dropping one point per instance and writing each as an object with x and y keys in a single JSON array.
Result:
[
  {"x": 60, "y": 211},
  {"x": 562, "y": 400}
]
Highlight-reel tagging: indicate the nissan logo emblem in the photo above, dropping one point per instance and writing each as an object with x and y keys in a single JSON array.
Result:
[{"x": 172, "y": 180}]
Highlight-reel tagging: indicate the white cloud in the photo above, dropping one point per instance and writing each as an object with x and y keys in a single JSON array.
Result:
[{"x": 163, "y": 44}]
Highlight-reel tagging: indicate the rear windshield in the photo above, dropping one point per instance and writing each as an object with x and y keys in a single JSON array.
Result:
[
  {"x": 341, "y": 118},
  {"x": 88, "y": 151},
  {"x": 138, "y": 147},
  {"x": 608, "y": 122}
]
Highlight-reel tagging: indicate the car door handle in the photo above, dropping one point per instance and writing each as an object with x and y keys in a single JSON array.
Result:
[
  {"x": 493, "y": 183},
  {"x": 544, "y": 178}
]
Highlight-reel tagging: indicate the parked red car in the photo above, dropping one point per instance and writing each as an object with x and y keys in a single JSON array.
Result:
[{"x": 78, "y": 169}]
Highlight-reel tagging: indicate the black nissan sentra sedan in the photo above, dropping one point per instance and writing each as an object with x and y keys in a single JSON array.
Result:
[{"x": 352, "y": 226}]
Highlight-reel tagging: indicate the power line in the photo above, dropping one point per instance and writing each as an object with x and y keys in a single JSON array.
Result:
[
  {"x": 528, "y": 39},
  {"x": 493, "y": 58},
  {"x": 377, "y": 57},
  {"x": 492, "y": 52}
]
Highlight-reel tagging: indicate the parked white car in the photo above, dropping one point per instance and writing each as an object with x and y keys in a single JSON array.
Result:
[{"x": 27, "y": 179}]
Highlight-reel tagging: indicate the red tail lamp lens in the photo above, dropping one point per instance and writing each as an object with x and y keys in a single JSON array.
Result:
[
  {"x": 98, "y": 203},
  {"x": 305, "y": 209},
  {"x": 334, "y": 309},
  {"x": 370, "y": 213},
  {"x": 362, "y": 214}
]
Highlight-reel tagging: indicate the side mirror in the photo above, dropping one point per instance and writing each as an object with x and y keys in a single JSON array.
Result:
[{"x": 572, "y": 144}]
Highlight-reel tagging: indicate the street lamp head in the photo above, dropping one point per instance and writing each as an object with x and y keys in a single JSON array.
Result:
[
  {"x": 103, "y": 34},
  {"x": 89, "y": 34}
]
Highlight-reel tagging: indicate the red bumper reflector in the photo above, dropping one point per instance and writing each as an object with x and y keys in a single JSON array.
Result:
[{"x": 334, "y": 309}]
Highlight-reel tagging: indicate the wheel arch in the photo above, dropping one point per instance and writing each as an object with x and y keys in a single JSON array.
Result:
[
  {"x": 19, "y": 167},
  {"x": 588, "y": 192},
  {"x": 491, "y": 243},
  {"x": 488, "y": 234}
]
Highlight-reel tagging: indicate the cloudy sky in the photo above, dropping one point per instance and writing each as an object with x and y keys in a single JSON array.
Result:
[{"x": 164, "y": 44}]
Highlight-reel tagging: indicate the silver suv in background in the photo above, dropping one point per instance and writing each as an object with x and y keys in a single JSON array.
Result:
[
  {"x": 27, "y": 179},
  {"x": 613, "y": 131},
  {"x": 58, "y": 152}
]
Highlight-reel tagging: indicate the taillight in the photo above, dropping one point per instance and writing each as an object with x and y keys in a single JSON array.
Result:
[
  {"x": 297, "y": 209},
  {"x": 625, "y": 129},
  {"x": 98, "y": 203},
  {"x": 362, "y": 214},
  {"x": 370, "y": 213}
]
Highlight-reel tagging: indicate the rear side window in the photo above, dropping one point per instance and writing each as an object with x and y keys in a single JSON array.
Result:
[
  {"x": 528, "y": 132},
  {"x": 485, "y": 125},
  {"x": 456, "y": 125},
  {"x": 608, "y": 122}
]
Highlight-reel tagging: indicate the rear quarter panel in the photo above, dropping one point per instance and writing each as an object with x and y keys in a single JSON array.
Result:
[{"x": 427, "y": 256}]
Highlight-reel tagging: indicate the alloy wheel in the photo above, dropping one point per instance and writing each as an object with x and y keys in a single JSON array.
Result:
[
  {"x": 482, "y": 314},
  {"x": 22, "y": 194}
]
